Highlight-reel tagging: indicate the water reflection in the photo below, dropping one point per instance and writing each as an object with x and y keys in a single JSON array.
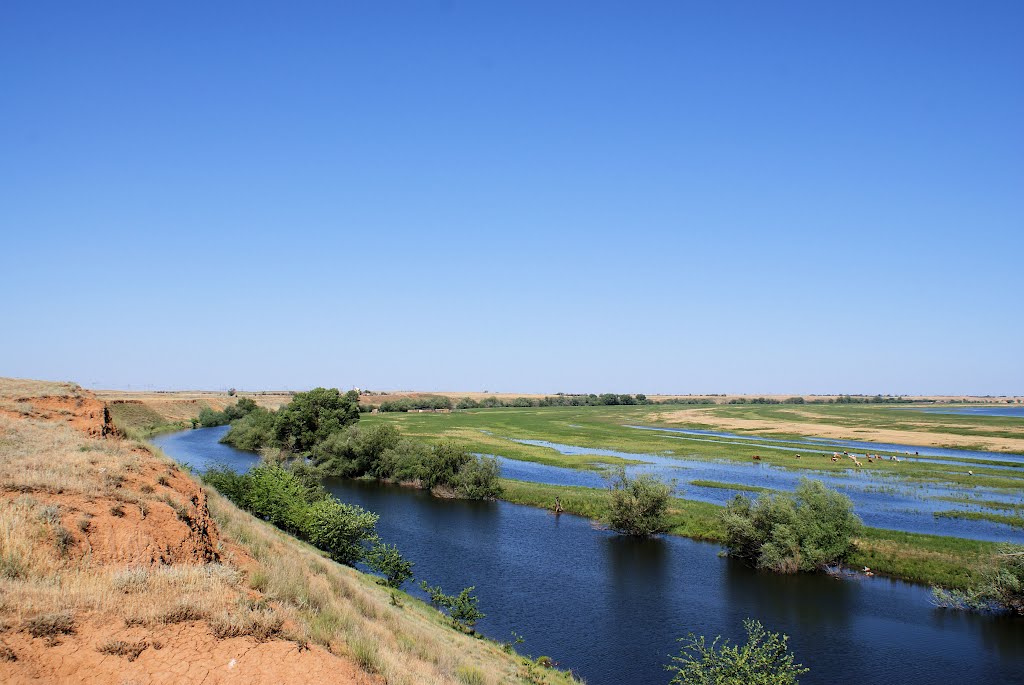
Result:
[{"x": 612, "y": 608}]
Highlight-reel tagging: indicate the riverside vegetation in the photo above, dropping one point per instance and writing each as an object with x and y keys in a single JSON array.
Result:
[
  {"x": 115, "y": 565},
  {"x": 955, "y": 563},
  {"x": 321, "y": 427}
]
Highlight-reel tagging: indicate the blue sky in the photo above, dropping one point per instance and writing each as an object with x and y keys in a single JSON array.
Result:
[{"x": 570, "y": 196}]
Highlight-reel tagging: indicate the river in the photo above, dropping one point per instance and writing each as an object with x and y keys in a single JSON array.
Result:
[{"x": 611, "y": 608}]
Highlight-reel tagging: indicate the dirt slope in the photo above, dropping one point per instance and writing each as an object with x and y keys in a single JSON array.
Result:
[{"x": 112, "y": 569}]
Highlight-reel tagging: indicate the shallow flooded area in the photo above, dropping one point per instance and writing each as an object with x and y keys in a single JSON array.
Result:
[{"x": 611, "y": 608}]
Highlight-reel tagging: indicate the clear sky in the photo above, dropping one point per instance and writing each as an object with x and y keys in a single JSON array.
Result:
[{"x": 522, "y": 196}]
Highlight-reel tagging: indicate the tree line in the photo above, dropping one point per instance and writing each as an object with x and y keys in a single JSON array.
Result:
[{"x": 320, "y": 429}]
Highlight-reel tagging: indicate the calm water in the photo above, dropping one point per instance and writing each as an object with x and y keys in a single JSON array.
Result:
[
  {"x": 881, "y": 501},
  {"x": 611, "y": 608},
  {"x": 1016, "y": 411}
]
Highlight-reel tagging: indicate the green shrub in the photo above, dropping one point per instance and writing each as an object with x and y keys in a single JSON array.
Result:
[
  {"x": 442, "y": 465},
  {"x": 464, "y": 609},
  {"x": 253, "y": 431},
  {"x": 763, "y": 660},
  {"x": 228, "y": 482},
  {"x": 313, "y": 416},
  {"x": 388, "y": 560},
  {"x": 1002, "y": 589},
  {"x": 276, "y": 495},
  {"x": 478, "y": 478},
  {"x": 341, "y": 530},
  {"x": 787, "y": 533},
  {"x": 403, "y": 462},
  {"x": 208, "y": 418},
  {"x": 639, "y": 506}
]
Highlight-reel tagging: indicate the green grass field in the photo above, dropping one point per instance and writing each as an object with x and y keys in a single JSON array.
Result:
[
  {"x": 948, "y": 561},
  {"x": 490, "y": 431}
]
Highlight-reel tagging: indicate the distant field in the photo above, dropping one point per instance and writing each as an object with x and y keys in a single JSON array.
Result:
[
  {"x": 874, "y": 423},
  {"x": 378, "y": 397}
]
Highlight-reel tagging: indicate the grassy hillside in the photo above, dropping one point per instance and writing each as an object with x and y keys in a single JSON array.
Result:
[{"x": 117, "y": 565}]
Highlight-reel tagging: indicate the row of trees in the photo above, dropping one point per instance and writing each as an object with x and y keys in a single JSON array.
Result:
[
  {"x": 380, "y": 451},
  {"x": 293, "y": 499},
  {"x": 209, "y": 418},
  {"x": 322, "y": 427}
]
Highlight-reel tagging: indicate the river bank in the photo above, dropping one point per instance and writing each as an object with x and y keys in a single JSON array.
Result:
[{"x": 612, "y": 607}]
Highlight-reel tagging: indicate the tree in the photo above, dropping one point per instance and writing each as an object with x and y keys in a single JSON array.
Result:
[
  {"x": 342, "y": 530},
  {"x": 388, "y": 560},
  {"x": 253, "y": 431},
  {"x": 763, "y": 660},
  {"x": 805, "y": 531},
  {"x": 464, "y": 609},
  {"x": 443, "y": 464},
  {"x": 639, "y": 506},
  {"x": 278, "y": 496},
  {"x": 478, "y": 479},
  {"x": 312, "y": 416}
]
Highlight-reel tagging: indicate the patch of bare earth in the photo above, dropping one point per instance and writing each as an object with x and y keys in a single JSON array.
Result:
[{"x": 112, "y": 569}]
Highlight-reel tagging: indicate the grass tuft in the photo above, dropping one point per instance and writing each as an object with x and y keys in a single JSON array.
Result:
[
  {"x": 50, "y": 625},
  {"x": 129, "y": 650}
]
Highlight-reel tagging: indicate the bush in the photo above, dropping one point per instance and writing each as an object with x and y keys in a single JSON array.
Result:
[
  {"x": 403, "y": 462},
  {"x": 292, "y": 499},
  {"x": 227, "y": 482},
  {"x": 341, "y": 530},
  {"x": 788, "y": 533},
  {"x": 763, "y": 660},
  {"x": 313, "y": 416},
  {"x": 253, "y": 431},
  {"x": 463, "y": 609},
  {"x": 278, "y": 496},
  {"x": 478, "y": 479},
  {"x": 442, "y": 465},
  {"x": 639, "y": 506},
  {"x": 1001, "y": 589},
  {"x": 388, "y": 560},
  {"x": 208, "y": 418}
]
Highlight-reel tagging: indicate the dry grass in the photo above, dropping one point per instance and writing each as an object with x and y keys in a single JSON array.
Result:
[
  {"x": 266, "y": 585},
  {"x": 129, "y": 650},
  {"x": 23, "y": 387},
  {"x": 350, "y": 614}
]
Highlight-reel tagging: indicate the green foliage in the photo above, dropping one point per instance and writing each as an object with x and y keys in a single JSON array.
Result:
[
  {"x": 478, "y": 478},
  {"x": 355, "y": 451},
  {"x": 253, "y": 431},
  {"x": 404, "y": 404},
  {"x": 1002, "y": 589},
  {"x": 313, "y": 416},
  {"x": 787, "y": 533},
  {"x": 437, "y": 597},
  {"x": 442, "y": 465},
  {"x": 638, "y": 506},
  {"x": 403, "y": 462},
  {"x": 208, "y": 418},
  {"x": 228, "y": 482},
  {"x": 463, "y": 608},
  {"x": 292, "y": 499},
  {"x": 386, "y": 559},
  {"x": 341, "y": 530},
  {"x": 764, "y": 659}
]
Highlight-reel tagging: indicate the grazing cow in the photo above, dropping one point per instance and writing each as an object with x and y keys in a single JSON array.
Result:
[{"x": 757, "y": 458}]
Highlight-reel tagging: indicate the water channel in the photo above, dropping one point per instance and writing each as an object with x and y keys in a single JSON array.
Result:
[{"x": 611, "y": 608}]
